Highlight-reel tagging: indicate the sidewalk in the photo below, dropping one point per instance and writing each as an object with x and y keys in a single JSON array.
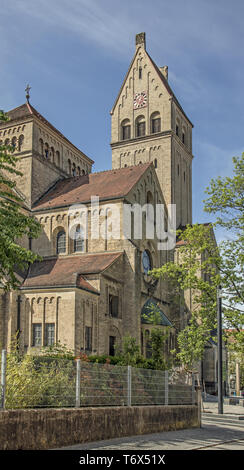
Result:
[{"x": 232, "y": 410}]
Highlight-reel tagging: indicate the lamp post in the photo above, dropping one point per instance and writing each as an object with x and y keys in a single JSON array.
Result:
[{"x": 220, "y": 364}]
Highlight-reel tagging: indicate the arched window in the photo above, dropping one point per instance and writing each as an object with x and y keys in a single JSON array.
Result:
[
  {"x": 73, "y": 170},
  {"x": 78, "y": 171},
  {"x": 79, "y": 242},
  {"x": 41, "y": 147},
  {"x": 57, "y": 159},
  {"x": 140, "y": 73},
  {"x": 69, "y": 166},
  {"x": 146, "y": 261},
  {"x": 140, "y": 126},
  {"x": 155, "y": 123},
  {"x": 21, "y": 141},
  {"x": 125, "y": 129},
  {"x": 61, "y": 242},
  {"x": 46, "y": 150},
  {"x": 155, "y": 163},
  {"x": 7, "y": 142},
  {"x": 14, "y": 143}
]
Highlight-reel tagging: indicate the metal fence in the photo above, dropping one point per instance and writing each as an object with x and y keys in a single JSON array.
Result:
[{"x": 37, "y": 381}]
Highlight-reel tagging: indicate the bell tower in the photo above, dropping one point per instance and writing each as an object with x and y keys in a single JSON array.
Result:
[{"x": 149, "y": 124}]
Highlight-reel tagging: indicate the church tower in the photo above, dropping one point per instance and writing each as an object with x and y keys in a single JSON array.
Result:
[{"x": 148, "y": 124}]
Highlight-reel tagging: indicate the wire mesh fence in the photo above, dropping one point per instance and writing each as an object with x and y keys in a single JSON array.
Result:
[{"x": 38, "y": 382}]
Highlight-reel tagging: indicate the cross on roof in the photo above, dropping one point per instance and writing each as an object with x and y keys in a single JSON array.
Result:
[{"x": 27, "y": 90}]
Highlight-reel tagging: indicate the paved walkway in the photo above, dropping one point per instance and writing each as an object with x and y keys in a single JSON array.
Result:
[{"x": 217, "y": 432}]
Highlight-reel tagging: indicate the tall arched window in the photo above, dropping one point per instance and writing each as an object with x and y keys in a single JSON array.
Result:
[
  {"x": 46, "y": 150},
  {"x": 155, "y": 123},
  {"x": 73, "y": 170},
  {"x": 57, "y": 158},
  {"x": 140, "y": 126},
  {"x": 125, "y": 129},
  {"x": 21, "y": 141},
  {"x": 14, "y": 143},
  {"x": 61, "y": 242},
  {"x": 79, "y": 242},
  {"x": 41, "y": 147}
]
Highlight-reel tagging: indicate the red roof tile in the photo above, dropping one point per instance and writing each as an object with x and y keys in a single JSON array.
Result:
[
  {"x": 68, "y": 270},
  {"x": 106, "y": 185}
]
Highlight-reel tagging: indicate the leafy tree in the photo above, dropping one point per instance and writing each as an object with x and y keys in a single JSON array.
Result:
[
  {"x": 202, "y": 267},
  {"x": 157, "y": 336},
  {"x": 15, "y": 222},
  {"x": 226, "y": 201},
  {"x": 196, "y": 271}
]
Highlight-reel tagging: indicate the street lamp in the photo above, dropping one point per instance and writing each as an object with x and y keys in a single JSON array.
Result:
[{"x": 220, "y": 365}]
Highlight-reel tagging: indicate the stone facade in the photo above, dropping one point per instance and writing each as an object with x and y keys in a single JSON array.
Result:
[{"x": 90, "y": 298}]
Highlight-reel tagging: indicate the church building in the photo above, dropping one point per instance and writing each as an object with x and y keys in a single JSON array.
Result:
[{"x": 89, "y": 292}]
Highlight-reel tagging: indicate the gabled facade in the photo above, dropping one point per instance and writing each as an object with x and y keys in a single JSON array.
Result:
[{"x": 149, "y": 125}]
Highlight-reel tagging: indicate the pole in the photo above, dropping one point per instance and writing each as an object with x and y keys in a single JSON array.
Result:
[
  {"x": 220, "y": 363},
  {"x": 3, "y": 378},
  {"x": 166, "y": 387},
  {"x": 129, "y": 386},
  {"x": 77, "y": 391}
]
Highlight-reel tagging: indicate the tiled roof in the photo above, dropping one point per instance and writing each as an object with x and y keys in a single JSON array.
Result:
[
  {"x": 106, "y": 184},
  {"x": 68, "y": 270},
  {"x": 26, "y": 110}
]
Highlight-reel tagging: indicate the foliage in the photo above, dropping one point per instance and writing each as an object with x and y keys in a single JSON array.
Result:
[
  {"x": 40, "y": 381},
  {"x": 197, "y": 271},
  {"x": 226, "y": 201},
  {"x": 14, "y": 220}
]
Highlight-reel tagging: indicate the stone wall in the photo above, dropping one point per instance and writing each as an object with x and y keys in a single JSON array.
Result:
[{"x": 54, "y": 428}]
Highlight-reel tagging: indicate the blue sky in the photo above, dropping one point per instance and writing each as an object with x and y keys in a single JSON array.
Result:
[{"x": 75, "y": 54}]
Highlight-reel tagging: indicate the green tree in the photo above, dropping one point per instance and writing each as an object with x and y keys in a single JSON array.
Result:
[
  {"x": 15, "y": 222},
  {"x": 196, "y": 272},
  {"x": 158, "y": 337},
  {"x": 226, "y": 201}
]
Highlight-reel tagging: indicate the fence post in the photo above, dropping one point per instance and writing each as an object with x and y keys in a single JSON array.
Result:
[
  {"x": 77, "y": 389},
  {"x": 193, "y": 388},
  {"x": 129, "y": 386},
  {"x": 3, "y": 378},
  {"x": 166, "y": 387}
]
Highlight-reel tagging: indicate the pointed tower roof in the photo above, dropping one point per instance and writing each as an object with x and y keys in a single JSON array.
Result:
[{"x": 141, "y": 43}]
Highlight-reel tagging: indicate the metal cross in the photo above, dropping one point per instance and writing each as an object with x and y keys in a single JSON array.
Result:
[{"x": 27, "y": 90}]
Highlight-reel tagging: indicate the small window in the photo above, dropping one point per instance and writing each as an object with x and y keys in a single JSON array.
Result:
[
  {"x": 112, "y": 340},
  {"x": 183, "y": 137},
  {"x": 69, "y": 166},
  {"x": 155, "y": 163},
  {"x": 46, "y": 150},
  {"x": 37, "y": 334},
  {"x": 140, "y": 126},
  {"x": 88, "y": 338},
  {"x": 114, "y": 306},
  {"x": 73, "y": 170},
  {"x": 140, "y": 73},
  {"x": 125, "y": 129},
  {"x": 21, "y": 141},
  {"x": 79, "y": 243},
  {"x": 125, "y": 132},
  {"x": 177, "y": 130},
  {"x": 156, "y": 125},
  {"x": 184, "y": 176},
  {"x": 178, "y": 170},
  {"x": 14, "y": 143},
  {"x": 49, "y": 334},
  {"x": 61, "y": 242}
]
